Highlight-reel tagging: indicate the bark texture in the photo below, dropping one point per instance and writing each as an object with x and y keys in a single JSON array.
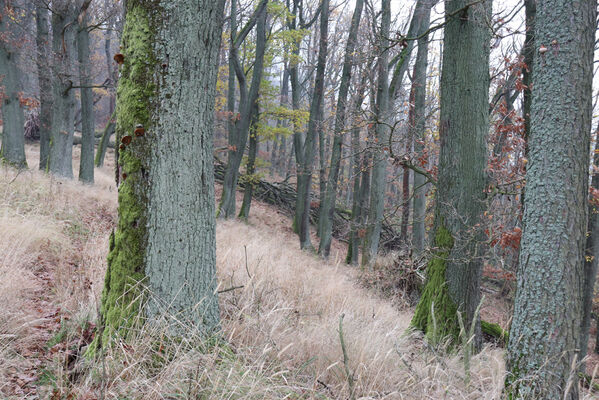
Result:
[
  {"x": 330, "y": 198},
  {"x": 12, "y": 150},
  {"x": 63, "y": 94},
  {"x": 545, "y": 331},
  {"x": 42, "y": 40},
  {"x": 455, "y": 270},
  {"x": 165, "y": 239},
  {"x": 86, "y": 165}
]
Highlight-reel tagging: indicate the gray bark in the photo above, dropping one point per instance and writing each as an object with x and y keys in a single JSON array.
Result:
[
  {"x": 378, "y": 184},
  {"x": 327, "y": 206},
  {"x": 86, "y": 165},
  {"x": 42, "y": 40},
  {"x": 166, "y": 231},
  {"x": 246, "y": 106},
  {"x": 304, "y": 172},
  {"x": 64, "y": 27},
  {"x": 545, "y": 332},
  {"x": 454, "y": 272},
  {"x": 420, "y": 189},
  {"x": 12, "y": 150},
  {"x": 105, "y": 140}
]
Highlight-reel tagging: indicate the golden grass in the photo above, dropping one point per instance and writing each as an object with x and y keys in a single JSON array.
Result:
[{"x": 280, "y": 329}]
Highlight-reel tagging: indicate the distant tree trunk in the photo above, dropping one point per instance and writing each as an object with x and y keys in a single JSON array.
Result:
[
  {"x": 105, "y": 140},
  {"x": 419, "y": 214},
  {"x": 405, "y": 179},
  {"x": 86, "y": 165},
  {"x": 247, "y": 100},
  {"x": 42, "y": 40},
  {"x": 175, "y": 261},
  {"x": 353, "y": 249},
  {"x": 454, "y": 272},
  {"x": 327, "y": 205},
  {"x": 304, "y": 173},
  {"x": 379, "y": 169},
  {"x": 64, "y": 26},
  {"x": 251, "y": 165},
  {"x": 13, "y": 140},
  {"x": 545, "y": 332}
]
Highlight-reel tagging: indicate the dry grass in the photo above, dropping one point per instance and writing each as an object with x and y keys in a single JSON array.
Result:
[{"x": 280, "y": 330}]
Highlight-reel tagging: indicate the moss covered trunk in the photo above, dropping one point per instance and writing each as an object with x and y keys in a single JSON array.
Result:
[
  {"x": 454, "y": 271},
  {"x": 545, "y": 331},
  {"x": 165, "y": 238}
]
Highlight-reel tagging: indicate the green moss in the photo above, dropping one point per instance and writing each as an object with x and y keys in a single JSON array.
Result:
[
  {"x": 122, "y": 294},
  {"x": 495, "y": 331},
  {"x": 443, "y": 321}
]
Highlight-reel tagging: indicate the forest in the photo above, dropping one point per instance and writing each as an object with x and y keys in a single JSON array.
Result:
[{"x": 299, "y": 199}]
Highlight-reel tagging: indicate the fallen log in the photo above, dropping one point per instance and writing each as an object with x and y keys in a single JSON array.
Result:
[{"x": 283, "y": 196}]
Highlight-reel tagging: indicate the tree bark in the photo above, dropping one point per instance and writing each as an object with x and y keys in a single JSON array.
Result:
[
  {"x": 379, "y": 155},
  {"x": 545, "y": 332},
  {"x": 12, "y": 150},
  {"x": 455, "y": 270},
  {"x": 247, "y": 101},
  {"x": 304, "y": 173},
  {"x": 165, "y": 238},
  {"x": 86, "y": 165},
  {"x": 420, "y": 181},
  {"x": 63, "y": 96},
  {"x": 44, "y": 80},
  {"x": 327, "y": 205}
]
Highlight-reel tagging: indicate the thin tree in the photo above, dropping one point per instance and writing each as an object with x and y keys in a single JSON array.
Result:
[
  {"x": 42, "y": 40},
  {"x": 545, "y": 332},
  {"x": 86, "y": 164},
  {"x": 165, "y": 237},
  {"x": 327, "y": 206}
]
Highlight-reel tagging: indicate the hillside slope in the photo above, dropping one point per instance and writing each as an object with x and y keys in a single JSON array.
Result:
[{"x": 280, "y": 315}]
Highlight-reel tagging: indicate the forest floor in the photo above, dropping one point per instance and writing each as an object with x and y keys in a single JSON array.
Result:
[{"x": 281, "y": 324}]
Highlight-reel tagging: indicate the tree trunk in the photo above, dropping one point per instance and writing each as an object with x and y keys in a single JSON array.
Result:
[
  {"x": 63, "y": 79},
  {"x": 12, "y": 150},
  {"x": 165, "y": 236},
  {"x": 379, "y": 169},
  {"x": 105, "y": 140},
  {"x": 45, "y": 83},
  {"x": 455, "y": 270},
  {"x": 86, "y": 165},
  {"x": 327, "y": 205},
  {"x": 545, "y": 332},
  {"x": 304, "y": 173},
  {"x": 244, "y": 213},
  {"x": 353, "y": 248},
  {"x": 247, "y": 101},
  {"x": 420, "y": 181}
]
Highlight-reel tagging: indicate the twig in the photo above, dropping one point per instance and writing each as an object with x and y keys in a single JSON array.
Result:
[
  {"x": 231, "y": 289},
  {"x": 245, "y": 249},
  {"x": 350, "y": 376}
]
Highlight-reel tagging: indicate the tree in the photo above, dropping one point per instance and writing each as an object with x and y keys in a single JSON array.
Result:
[
  {"x": 165, "y": 238},
  {"x": 454, "y": 271},
  {"x": 13, "y": 142},
  {"x": 304, "y": 169},
  {"x": 247, "y": 107},
  {"x": 64, "y": 20},
  {"x": 379, "y": 159},
  {"x": 86, "y": 166},
  {"x": 545, "y": 331},
  {"x": 330, "y": 198},
  {"x": 44, "y": 80}
]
